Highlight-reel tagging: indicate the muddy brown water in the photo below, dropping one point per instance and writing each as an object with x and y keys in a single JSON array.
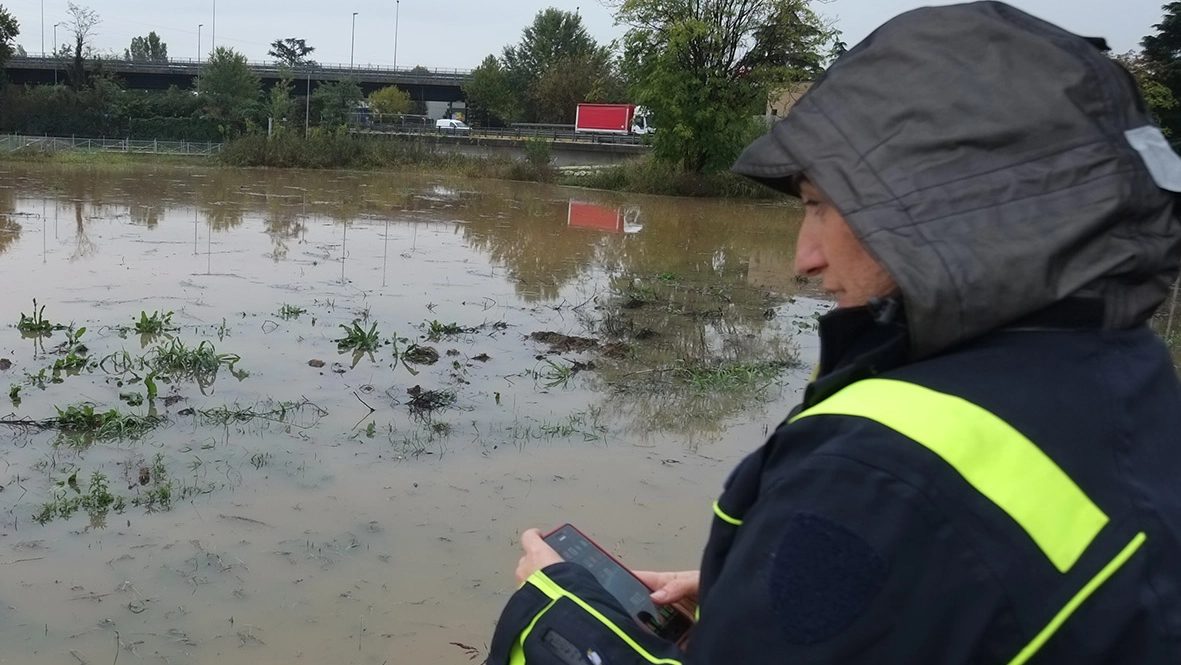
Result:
[{"x": 347, "y": 526}]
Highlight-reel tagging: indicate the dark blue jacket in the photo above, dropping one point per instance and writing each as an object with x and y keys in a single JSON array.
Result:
[{"x": 1047, "y": 529}]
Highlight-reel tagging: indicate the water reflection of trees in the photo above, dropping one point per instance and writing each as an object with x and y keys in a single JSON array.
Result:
[
  {"x": 10, "y": 230},
  {"x": 530, "y": 239},
  {"x": 83, "y": 245}
]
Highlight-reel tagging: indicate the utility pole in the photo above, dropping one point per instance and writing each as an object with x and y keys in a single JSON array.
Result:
[
  {"x": 200, "y": 60},
  {"x": 213, "y": 36},
  {"x": 353, "y": 40},
  {"x": 397, "y": 8},
  {"x": 55, "y": 52}
]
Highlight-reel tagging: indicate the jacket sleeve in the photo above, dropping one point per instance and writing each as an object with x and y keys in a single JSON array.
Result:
[{"x": 563, "y": 616}]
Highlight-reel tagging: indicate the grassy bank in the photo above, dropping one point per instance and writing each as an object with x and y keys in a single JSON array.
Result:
[{"x": 347, "y": 151}]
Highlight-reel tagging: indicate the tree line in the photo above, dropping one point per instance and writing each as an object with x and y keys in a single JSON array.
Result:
[{"x": 227, "y": 99}]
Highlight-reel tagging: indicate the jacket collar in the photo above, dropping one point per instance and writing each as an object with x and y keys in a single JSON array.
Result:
[
  {"x": 861, "y": 342},
  {"x": 857, "y": 343}
]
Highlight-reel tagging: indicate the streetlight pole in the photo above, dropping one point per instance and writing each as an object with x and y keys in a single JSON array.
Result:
[
  {"x": 43, "y": 28},
  {"x": 213, "y": 36},
  {"x": 307, "y": 101},
  {"x": 199, "y": 58},
  {"x": 353, "y": 40},
  {"x": 55, "y": 52},
  {"x": 397, "y": 10}
]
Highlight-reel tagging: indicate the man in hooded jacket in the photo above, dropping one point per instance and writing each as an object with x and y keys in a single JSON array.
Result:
[{"x": 987, "y": 468}]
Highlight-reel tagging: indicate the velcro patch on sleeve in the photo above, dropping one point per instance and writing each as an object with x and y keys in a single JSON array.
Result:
[{"x": 823, "y": 578}]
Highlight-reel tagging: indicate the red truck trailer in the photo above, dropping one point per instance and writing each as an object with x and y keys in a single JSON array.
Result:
[{"x": 605, "y": 118}]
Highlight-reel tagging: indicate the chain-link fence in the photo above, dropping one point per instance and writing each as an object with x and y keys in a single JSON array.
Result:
[{"x": 16, "y": 143}]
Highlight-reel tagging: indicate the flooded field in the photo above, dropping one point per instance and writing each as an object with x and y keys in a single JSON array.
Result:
[{"x": 275, "y": 417}]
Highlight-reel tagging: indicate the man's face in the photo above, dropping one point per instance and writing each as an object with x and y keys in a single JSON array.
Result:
[{"x": 827, "y": 248}]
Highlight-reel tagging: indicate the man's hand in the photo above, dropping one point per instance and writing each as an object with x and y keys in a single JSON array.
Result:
[
  {"x": 538, "y": 555},
  {"x": 679, "y": 588}
]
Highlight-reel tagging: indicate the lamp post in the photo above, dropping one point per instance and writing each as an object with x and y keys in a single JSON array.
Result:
[
  {"x": 307, "y": 100},
  {"x": 55, "y": 52},
  {"x": 353, "y": 40},
  {"x": 199, "y": 58},
  {"x": 213, "y": 35},
  {"x": 397, "y": 8},
  {"x": 42, "y": 27}
]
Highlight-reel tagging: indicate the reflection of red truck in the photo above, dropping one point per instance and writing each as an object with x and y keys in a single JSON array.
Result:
[
  {"x": 611, "y": 119},
  {"x": 597, "y": 217}
]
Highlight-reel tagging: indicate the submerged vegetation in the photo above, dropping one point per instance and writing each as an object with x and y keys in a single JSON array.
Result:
[
  {"x": 155, "y": 324},
  {"x": 35, "y": 323},
  {"x": 628, "y": 355},
  {"x": 358, "y": 339}
]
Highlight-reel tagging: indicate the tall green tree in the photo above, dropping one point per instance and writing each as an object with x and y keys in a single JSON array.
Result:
[
  {"x": 559, "y": 90},
  {"x": 147, "y": 49},
  {"x": 490, "y": 98},
  {"x": 291, "y": 52},
  {"x": 279, "y": 105},
  {"x": 390, "y": 100},
  {"x": 336, "y": 101},
  {"x": 9, "y": 29},
  {"x": 704, "y": 68},
  {"x": 555, "y": 38},
  {"x": 229, "y": 87},
  {"x": 1161, "y": 65}
]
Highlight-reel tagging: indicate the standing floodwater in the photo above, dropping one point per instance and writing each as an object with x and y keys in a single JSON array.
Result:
[{"x": 309, "y": 412}]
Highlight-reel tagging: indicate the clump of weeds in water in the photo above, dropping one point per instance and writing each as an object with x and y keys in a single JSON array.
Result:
[
  {"x": 36, "y": 323},
  {"x": 436, "y": 331},
  {"x": 200, "y": 363},
  {"x": 68, "y": 498},
  {"x": 158, "y": 496},
  {"x": 75, "y": 352},
  {"x": 156, "y": 324},
  {"x": 287, "y": 312},
  {"x": 85, "y": 424},
  {"x": 14, "y": 394},
  {"x": 423, "y": 402},
  {"x": 736, "y": 376},
  {"x": 358, "y": 339},
  {"x": 559, "y": 374}
]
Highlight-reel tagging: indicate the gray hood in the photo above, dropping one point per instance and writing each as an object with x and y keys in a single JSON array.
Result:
[{"x": 993, "y": 163}]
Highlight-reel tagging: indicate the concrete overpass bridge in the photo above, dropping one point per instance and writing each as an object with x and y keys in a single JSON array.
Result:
[{"x": 428, "y": 85}]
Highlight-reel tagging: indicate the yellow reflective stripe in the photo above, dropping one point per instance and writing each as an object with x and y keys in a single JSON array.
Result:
[
  {"x": 551, "y": 589},
  {"x": 517, "y": 654},
  {"x": 1032, "y": 648},
  {"x": 724, "y": 517},
  {"x": 1000, "y": 462}
]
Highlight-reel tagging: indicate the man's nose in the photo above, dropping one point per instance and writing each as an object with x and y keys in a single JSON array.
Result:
[{"x": 810, "y": 260}]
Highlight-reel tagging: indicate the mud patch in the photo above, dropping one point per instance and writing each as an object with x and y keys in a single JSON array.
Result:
[
  {"x": 559, "y": 343},
  {"x": 421, "y": 355}
]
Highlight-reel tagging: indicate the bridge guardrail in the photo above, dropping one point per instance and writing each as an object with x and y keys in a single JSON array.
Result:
[{"x": 47, "y": 59}]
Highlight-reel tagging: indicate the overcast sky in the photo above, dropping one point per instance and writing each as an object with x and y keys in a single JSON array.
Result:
[{"x": 459, "y": 33}]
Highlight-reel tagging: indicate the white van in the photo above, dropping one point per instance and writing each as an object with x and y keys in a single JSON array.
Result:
[{"x": 451, "y": 126}]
